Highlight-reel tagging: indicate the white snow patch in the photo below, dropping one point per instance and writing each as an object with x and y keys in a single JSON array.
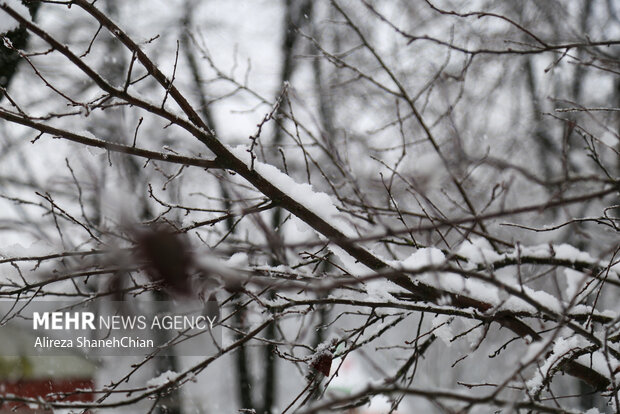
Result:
[
  {"x": 162, "y": 379},
  {"x": 478, "y": 250},
  {"x": 378, "y": 290},
  {"x": 544, "y": 298},
  {"x": 568, "y": 252},
  {"x": 560, "y": 349},
  {"x": 238, "y": 259},
  {"x": 421, "y": 258},
  {"x": 350, "y": 264},
  {"x": 601, "y": 364},
  {"x": 317, "y": 202},
  {"x": 559, "y": 251}
]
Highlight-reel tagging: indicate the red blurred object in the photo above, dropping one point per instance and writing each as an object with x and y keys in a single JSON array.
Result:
[
  {"x": 168, "y": 258},
  {"x": 74, "y": 389},
  {"x": 322, "y": 363}
]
